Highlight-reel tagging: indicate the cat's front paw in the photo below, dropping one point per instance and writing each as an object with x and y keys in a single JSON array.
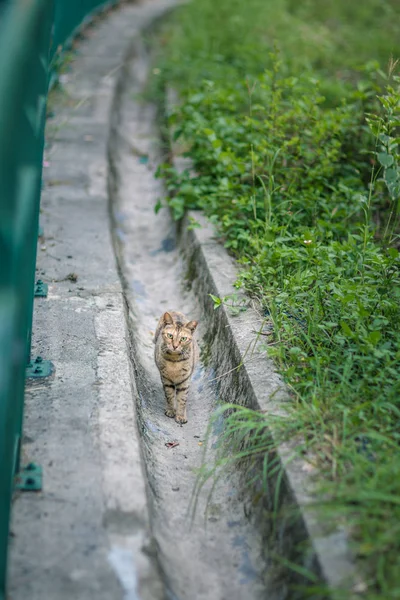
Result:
[
  {"x": 170, "y": 413},
  {"x": 180, "y": 419}
]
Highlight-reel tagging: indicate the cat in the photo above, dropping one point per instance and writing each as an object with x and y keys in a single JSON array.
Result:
[{"x": 176, "y": 354}]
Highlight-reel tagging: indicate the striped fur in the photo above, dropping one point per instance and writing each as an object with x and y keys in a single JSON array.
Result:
[{"x": 176, "y": 354}]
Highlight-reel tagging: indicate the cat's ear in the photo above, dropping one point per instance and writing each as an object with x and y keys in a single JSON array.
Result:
[
  {"x": 168, "y": 320},
  {"x": 191, "y": 325}
]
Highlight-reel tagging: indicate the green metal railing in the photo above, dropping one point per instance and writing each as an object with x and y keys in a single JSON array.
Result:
[{"x": 31, "y": 31}]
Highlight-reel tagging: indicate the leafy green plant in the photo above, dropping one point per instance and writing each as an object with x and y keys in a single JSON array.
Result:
[
  {"x": 234, "y": 304},
  {"x": 385, "y": 127}
]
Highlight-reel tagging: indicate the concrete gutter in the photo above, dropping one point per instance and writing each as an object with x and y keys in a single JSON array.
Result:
[{"x": 87, "y": 534}]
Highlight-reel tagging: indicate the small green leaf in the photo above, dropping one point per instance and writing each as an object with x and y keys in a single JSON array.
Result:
[
  {"x": 295, "y": 351},
  {"x": 193, "y": 224},
  {"x": 385, "y": 159},
  {"x": 390, "y": 175},
  {"x": 209, "y": 132},
  {"x": 216, "y": 144},
  {"x": 348, "y": 298},
  {"x": 196, "y": 98},
  {"x": 393, "y": 253},
  {"x": 158, "y": 206},
  {"x": 217, "y": 301},
  {"x": 374, "y": 337},
  {"x": 346, "y": 329},
  {"x": 177, "y": 134}
]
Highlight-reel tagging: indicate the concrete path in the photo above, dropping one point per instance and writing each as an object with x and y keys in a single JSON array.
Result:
[{"x": 86, "y": 536}]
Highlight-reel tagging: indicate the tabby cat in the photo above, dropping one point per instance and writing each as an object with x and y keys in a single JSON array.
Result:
[{"x": 176, "y": 354}]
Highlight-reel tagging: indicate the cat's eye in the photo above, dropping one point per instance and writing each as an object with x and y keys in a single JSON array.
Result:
[
  {"x": 183, "y": 339},
  {"x": 170, "y": 336}
]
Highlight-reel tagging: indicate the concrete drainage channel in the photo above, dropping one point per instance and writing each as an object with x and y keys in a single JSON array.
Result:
[
  {"x": 220, "y": 556},
  {"x": 226, "y": 551}
]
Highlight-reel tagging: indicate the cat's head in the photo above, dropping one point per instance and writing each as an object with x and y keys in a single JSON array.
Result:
[{"x": 177, "y": 336}]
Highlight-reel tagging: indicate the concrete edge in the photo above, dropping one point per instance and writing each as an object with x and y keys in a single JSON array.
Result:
[{"x": 331, "y": 557}]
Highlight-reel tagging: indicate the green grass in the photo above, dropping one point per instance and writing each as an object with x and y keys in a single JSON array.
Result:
[
  {"x": 233, "y": 40},
  {"x": 293, "y": 130}
]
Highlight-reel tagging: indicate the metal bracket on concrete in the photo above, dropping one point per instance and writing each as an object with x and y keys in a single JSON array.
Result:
[
  {"x": 39, "y": 368},
  {"x": 41, "y": 289},
  {"x": 29, "y": 478}
]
